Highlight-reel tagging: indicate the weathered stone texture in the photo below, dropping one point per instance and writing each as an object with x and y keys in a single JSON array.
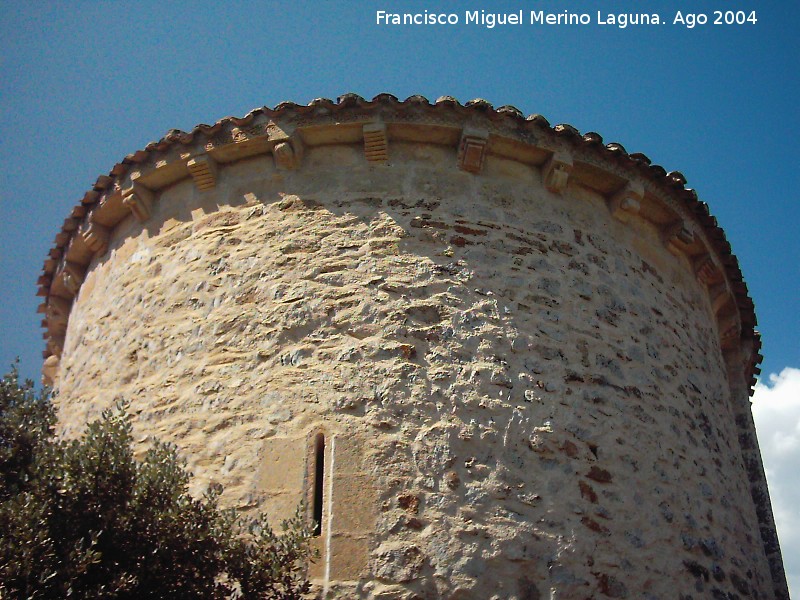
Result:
[{"x": 522, "y": 396}]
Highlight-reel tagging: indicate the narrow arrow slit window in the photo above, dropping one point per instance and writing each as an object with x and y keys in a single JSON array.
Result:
[{"x": 318, "y": 477}]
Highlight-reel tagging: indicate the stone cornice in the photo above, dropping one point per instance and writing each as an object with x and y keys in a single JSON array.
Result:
[{"x": 632, "y": 185}]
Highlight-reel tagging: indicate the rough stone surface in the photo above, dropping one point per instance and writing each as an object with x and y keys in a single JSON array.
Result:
[{"x": 521, "y": 396}]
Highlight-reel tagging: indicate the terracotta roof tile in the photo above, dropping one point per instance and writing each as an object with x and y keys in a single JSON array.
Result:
[
  {"x": 677, "y": 178},
  {"x": 538, "y": 120},
  {"x": 593, "y": 139},
  {"x": 617, "y": 148},
  {"x": 480, "y": 104},
  {"x": 511, "y": 111},
  {"x": 566, "y": 130},
  {"x": 449, "y": 100},
  {"x": 416, "y": 99}
]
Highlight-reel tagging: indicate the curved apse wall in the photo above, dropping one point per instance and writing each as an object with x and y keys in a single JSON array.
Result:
[{"x": 496, "y": 358}]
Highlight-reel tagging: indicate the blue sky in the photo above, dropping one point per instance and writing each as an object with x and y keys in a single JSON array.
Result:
[{"x": 83, "y": 84}]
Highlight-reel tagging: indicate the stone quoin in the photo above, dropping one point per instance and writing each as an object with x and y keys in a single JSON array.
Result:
[{"x": 495, "y": 358}]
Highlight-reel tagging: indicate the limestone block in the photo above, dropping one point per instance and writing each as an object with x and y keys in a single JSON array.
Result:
[
  {"x": 280, "y": 505},
  {"x": 398, "y": 562},
  {"x": 283, "y": 468},
  {"x": 316, "y": 570},
  {"x": 349, "y": 557},
  {"x": 352, "y": 456},
  {"x": 354, "y": 500}
]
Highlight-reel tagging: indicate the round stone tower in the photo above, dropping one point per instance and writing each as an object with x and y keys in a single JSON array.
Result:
[{"x": 495, "y": 358}]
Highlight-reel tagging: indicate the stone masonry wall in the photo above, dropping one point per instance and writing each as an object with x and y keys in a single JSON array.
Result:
[{"x": 522, "y": 397}]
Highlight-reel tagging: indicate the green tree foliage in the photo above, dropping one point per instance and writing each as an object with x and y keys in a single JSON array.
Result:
[{"x": 84, "y": 519}]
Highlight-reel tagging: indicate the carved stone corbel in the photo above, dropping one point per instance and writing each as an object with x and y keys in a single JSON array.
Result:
[
  {"x": 677, "y": 237},
  {"x": 139, "y": 201},
  {"x": 376, "y": 142},
  {"x": 556, "y": 170},
  {"x": 472, "y": 149},
  {"x": 288, "y": 153},
  {"x": 96, "y": 237},
  {"x": 57, "y": 313},
  {"x": 203, "y": 170},
  {"x": 72, "y": 276},
  {"x": 720, "y": 297},
  {"x": 706, "y": 270},
  {"x": 627, "y": 202},
  {"x": 55, "y": 345},
  {"x": 730, "y": 331},
  {"x": 239, "y": 135},
  {"x": 50, "y": 369}
]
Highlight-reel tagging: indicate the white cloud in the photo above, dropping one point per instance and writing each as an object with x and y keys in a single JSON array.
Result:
[{"x": 776, "y": 411}]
